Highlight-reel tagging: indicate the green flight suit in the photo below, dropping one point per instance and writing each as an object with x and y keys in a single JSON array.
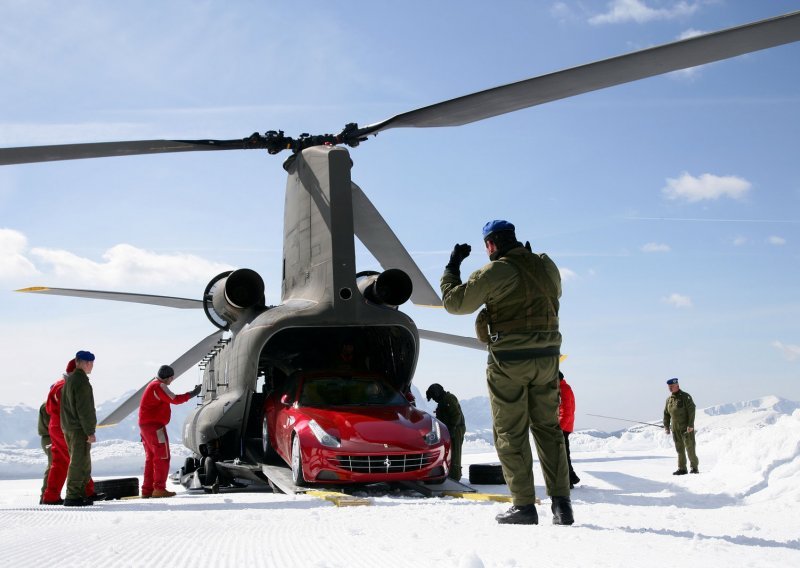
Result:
[
  {"x": 520, "y": 291},
  {"x": 448, "y": 411},
  {"x": 78, "y": 422},
  {"x": 44, "y": 432},
  {"x": 678, "y": 416}
]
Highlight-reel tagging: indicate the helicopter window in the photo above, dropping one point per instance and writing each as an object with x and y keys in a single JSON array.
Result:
[{"x": 349, "y": 391}]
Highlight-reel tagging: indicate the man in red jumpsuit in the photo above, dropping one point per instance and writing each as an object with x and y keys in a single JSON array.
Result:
[
  {"x": 58, "y": 450},
  {"x": 566, "y": 419},
  {"x": 154, "y": 415}
]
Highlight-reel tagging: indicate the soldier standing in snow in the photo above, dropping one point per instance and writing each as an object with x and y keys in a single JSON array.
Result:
[
  {"x": 520, "y": 291},
  {"x": 448, "y": 410},
  {"x": 79, "y": 422},
  {"x": 44, "y": 433},
  {"x": 679, "y": 414},
  {"x": 58, "y": 446}
]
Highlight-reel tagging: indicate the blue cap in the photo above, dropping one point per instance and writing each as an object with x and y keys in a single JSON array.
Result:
[
  {"x": 672, "y": 381},
  {"x": 495, "y": 226},
  {"x": 84, "y": 356}
]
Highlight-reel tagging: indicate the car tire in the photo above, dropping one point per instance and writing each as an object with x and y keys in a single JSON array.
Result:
[
  {"x": 118, "y": 488},
  {"x": 297, "y": 462},
  {"x": 267, "y": 451},
  {"x": 486, "y": 474}
]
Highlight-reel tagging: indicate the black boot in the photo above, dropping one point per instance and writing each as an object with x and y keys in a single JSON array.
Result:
[
  {"x": 694, "y": 470},
  {"x": 519, "y": 515},
  {"x": 97, "y": 497},
  {"x": 562, "y": 511},
  {"x": 679, "y": 472}
]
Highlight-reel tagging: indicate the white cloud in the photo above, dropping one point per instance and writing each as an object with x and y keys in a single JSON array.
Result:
[
  {"x": 791, "y": 352},
  {"x": 559, "y": 10},
  {"x": 620, "y": 11},
  {"x": 678, "y": 300},
  {"x": 655, "y": 247},
  {"x": 126, "y": 265},
  {"x": 13, "y": 263},
  {"x": 567, "y": 274},
  {"x": 776, "y": 240},
  {"x": 707, "y": 186},
  {"x": 739, "y": 241}
]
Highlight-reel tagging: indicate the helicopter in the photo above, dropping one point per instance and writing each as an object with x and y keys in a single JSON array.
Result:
[{"x": 323, "y": 294}]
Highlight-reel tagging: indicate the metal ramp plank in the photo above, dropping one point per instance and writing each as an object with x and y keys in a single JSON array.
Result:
[{"x": 281, "y": 477}]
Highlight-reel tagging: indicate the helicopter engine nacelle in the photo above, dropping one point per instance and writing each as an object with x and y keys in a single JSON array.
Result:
[
  {"x": 229, "y": 294},
  {"x": 388, "y": 288}
]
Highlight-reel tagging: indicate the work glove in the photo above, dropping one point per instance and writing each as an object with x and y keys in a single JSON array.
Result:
[
  {"x": 460, "y": 252},
  {"x": 196, "y": 390}
]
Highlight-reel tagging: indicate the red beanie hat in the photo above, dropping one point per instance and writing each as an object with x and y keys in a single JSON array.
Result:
[{"x": 71, "y": 365}]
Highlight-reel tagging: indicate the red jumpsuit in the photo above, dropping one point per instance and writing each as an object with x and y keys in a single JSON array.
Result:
[
  {"x": 58, "y": 450},
  {"x": 154, "y": 415},
  {"x": 566, "y": 420}
]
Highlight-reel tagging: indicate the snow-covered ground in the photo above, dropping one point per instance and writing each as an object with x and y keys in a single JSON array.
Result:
[{"x": 630, "y": 511}]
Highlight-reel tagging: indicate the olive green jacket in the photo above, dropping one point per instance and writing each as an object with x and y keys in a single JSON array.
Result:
[
  {"x": 44, "y": 421},
  {"x": 77, "y": 404},
  {"x": 449, "y": 411},
  {"x": 679, "y": 410},
  {"x": 496, "y": 282}
]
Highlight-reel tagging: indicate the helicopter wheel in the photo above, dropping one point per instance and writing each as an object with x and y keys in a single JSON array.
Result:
[
  {"x": 297, "y": 463},
  {"x": 209, "y": 472}
]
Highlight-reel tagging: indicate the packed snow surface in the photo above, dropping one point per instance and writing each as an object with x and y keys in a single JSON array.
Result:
[{"x": 629, "y": 509}]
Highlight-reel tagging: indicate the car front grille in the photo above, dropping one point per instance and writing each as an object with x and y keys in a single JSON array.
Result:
[{"x": 398, "y": 463}]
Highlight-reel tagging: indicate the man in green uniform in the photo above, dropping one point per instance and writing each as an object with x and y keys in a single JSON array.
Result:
[
  {"x": 44, "y": 432},
  {"x": 78, "y": 422},
  {"x": 679, "y": 414},
  {"x": 448, "y": 411},
  {"x": 520, "y": 291}
]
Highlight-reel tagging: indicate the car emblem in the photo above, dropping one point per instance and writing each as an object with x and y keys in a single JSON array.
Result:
[{"x": 387, "y": 463}]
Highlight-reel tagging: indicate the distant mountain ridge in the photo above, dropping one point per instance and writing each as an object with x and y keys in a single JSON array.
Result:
[{"x": 18, "y": 422}]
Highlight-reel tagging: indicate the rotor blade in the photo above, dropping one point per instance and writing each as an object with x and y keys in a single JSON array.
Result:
[
  {"x": 683, "y": 54},
  {"x": 30, "y": 154},
  {"x": 180, "y": 366},
  {"x": 372, "y": 230},
  {"x": 450, "y": 339},
  {"x": 168, "y": 301}
]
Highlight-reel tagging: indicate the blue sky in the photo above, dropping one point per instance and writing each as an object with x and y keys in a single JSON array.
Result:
[{"x": 670, "y": 204}]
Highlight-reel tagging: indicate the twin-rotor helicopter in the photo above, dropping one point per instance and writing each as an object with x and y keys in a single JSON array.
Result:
[{"x": 325, "y": 300}]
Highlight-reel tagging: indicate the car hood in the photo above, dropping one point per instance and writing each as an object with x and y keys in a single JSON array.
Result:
[{"x": 397, "y": 425}]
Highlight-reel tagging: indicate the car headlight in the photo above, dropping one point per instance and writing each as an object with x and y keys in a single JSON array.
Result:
[
  {"x": 435, "y": 435},
  {"x": 324, "y": 438}
]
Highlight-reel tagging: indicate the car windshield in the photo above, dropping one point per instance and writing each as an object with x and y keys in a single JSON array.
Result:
[{"x": 348, "y": 391}]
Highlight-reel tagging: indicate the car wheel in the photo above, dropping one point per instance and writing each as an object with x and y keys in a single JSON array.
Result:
[
  {"x": 267, "y": 452},
  {"x": 297, "y": 463},
  {"x": 486, "y": 474}
]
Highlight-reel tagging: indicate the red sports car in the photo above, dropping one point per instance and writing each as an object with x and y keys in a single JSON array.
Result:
[{"x": 352, "y": 429}]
